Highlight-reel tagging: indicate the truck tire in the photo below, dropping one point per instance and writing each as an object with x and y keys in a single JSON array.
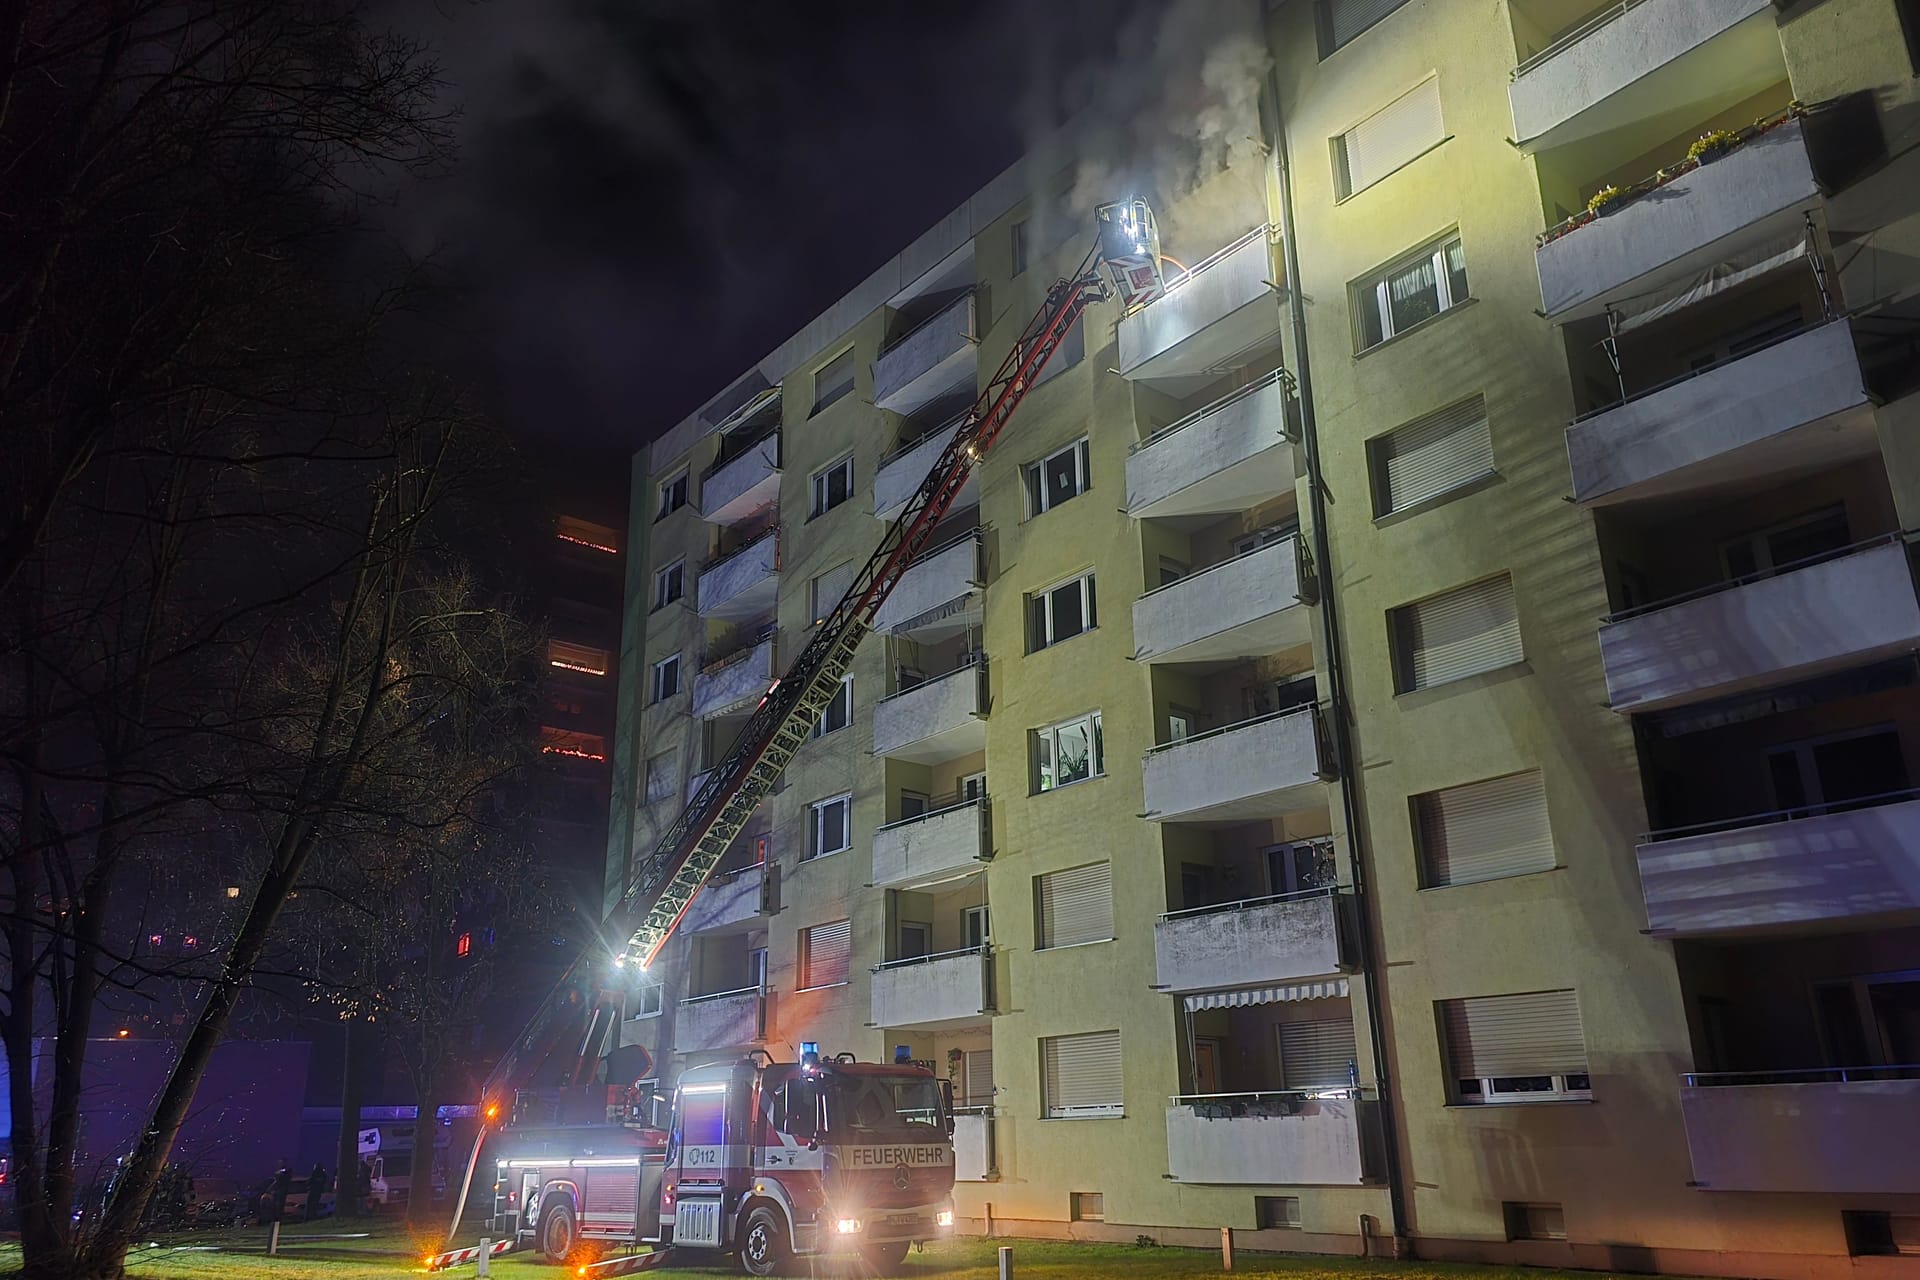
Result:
[
  {"x": 885, "y": 1259},
  {"x": 764, "y": 1250},
  {"x": 559, "y": 1233}
]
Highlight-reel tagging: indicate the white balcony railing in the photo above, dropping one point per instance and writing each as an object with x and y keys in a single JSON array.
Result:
[
  {"x": 743, "y": 582},
  {"x": 939, "y": 719},
  {"x": 933, "y": 358},
  {"x": 901, "y": 472},
  {"x": 1258, "y": 768},
  {"x": 721, "y": 1020},
  {"x": 1842, "y": 1131},
  {"x": 1219, "y": 314},
  {"x": 737, "y": 678},
  {"x": 943, "y": 584},
  {"x": 1268, "y": 1139},
  {"x": 1245, "y": 607},
  {"x": 1248, "y": 944},
  {"x": 746, "y": 481},
  {"x": 951, "y": 989},
  {"x": 946, "y": 844},
  {"x": 1230, "y": 455}
]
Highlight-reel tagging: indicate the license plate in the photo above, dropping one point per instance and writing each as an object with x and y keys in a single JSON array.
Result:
[{"x": 697, "y": 1222}]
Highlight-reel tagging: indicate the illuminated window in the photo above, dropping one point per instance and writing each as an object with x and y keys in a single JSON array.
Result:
[
  {"x": 673, "y": 494},
  {"x": 832, "y": 486},
  {"x": 233, "y": 891},
  {"x": 1418, "y": 287},
  {"x": 577, "y": 746},
  {"x": 583, "y": 658},
  {"x": 833, "y": 380},
  {"x": 585, "y": 533},
  {"x": 464, "y": 945}
]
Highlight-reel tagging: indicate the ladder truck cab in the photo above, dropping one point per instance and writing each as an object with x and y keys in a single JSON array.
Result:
[{"x": 763, "y": 1160}]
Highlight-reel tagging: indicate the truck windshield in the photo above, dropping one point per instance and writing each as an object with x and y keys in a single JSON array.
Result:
[{"x": 861, "y": 1105}]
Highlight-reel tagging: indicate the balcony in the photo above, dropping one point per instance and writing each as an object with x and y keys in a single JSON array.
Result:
[
  {"x": 931, "y": 992},
  {"x": 902, "y": 471},
  {"x": 727, "y": 901},
  {"x": 723, "y": 1020},
  {"x": 1842, "y": 610},
  {"x": 1268, "y": 1139},
  {"x": 1241, "y": 608},
  {"x": 745, "y": 479},
  {"x": 973, "y": 1154},
  {"x": 1673, "y": 227},
  {"x": 938, "y": 593},
  {"x": 1785, "y": 869},
  {"x": 733, "y": 679},
  {"x": 1766, "y": 413},
  {"x": 936, "y": 720},
  {"x": 1843, "y": 1131},
  {"x": 946, "y": 844},
  {"x": 1644, "y": 62},
  {"x": 743, "y": 583},
  {"x": 1259, "y": 768},
  {"x": 1209, "y": 321},
  {"x": 1249, "y": 944},
  {"x": 1232, "y": 455},
  {"x": 939, "y": 354}
]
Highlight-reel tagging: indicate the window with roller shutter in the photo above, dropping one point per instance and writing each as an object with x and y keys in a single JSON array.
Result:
[
  {"x": 1486, "y": 830},
  {"x": 1074, "y": 906},
  {"x": 1339, "y": 21},
  {"x": 1081, "y": 1076},
  {"x": 1518, "y": 1048},
  {"x": 1430, "y": 459},
  {"x": 826, "y": 954},
  {"x": 1455, "y": 634},
  {"x": 1317, "y": 1055},
  {"x": 1390, "y": 138},
  {"x": 825, "y": 591},
  {"x": 977, "y": 1078}
]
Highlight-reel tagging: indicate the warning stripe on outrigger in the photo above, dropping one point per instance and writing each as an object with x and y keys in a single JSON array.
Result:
[
  {"x": 460, "y": 1257},
  {"x": 626, "y": 1266}
]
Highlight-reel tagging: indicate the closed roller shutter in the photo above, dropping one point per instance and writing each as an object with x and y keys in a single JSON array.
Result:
[
  {"x": 1082, "y": 1074},
  {"x": 1076, "y": 905},
  {"x": 1535, "y": 1034},
  {"x": 1342, "y": 20},
  {"x": 978, "y": 1081},
  {"x": 1389, "y": 138},
  {"x": 830, "y": 586},
  {"x": 1314, "y": 1055},
  {"x": 1484, "y": 830},
  {"x": 1457, "y": 634},
  {"x": 826, "y": 954},
  {"x": 1431, "y": 456}
]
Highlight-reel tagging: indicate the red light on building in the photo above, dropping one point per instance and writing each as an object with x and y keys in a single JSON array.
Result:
[{"x": 464, "y": 945}]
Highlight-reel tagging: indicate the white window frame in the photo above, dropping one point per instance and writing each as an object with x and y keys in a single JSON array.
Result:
[
  {"x": 822, "y": 487},
  {"x": 1341, "y": 144},
  {"x": 670, "y": 663},
  {"x": 673, "y": 494},
  {"x": 1375, "y": 291},
  {"x": 815, "y": 839},
  {"x": 1049, "y": 736},
  {"x": 984, "y": 915},
  {"x": 650, "y": 998},
  {"x": 1254, "y": 539},
  {"x": 1040, "y": 604},
  {"x": 843, "y": 703},
  {"x": 1491, "y": 1096},
  {"x": 1033, "y": 476},
  {"x": 663, "y": 594}
]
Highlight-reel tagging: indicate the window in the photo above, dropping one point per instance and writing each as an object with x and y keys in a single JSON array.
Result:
[
  {"x": 826, "y": 954},
  {"x": 1061, "y": 612},
  {"x": 666, "y": 677},
  {"x": 1768, "y": 551},
  {"x": 1520, "y": 1048},
  {"x": 976, "y": 927},
  {"x": 1276, "y": 1213},
  {"x": 1534, "y": 1221},
  {"x": 1074, "y": 906},
  {"x": 976, "y": 1078},
  {"x": 1057, "y": 478},
  {"x": 1338, "y": 21},
  {"x": 1300, "y": 868},
  {"x": 916, "y": 940},
  {"x": 1251, "y": 542},
  {"x": 1087, "y": 1206},
  {"x": 673, "y": 495},
  {"x": 648, "y": 1000},
  {"x": 913, "y": 804},
  {"x": 583, "y": 658},
  {"x": 832, "y": 380},
  {"x": 1317, "y": 1055},
  {"x": 828, "y": 825},
  {"x": 585, "y": 533},
  {"x": 832, "y": 486},
  {"x": 663, "y": 776},
  {"x": 1430, "y": 458},
  {"x": 1388, "y": 139},
  {"x": 1068, "y": 752},
  {"x": 1825, "y": 775},
  {"x": 669, "y": 584},
  {"x": 1483, "y": 830},
  {"x": 1418, "y": 288},
  {"x": 839, "y": 712},
  {"x": 1021, "y": 236},
  {"x": 1080, "y": 1076},
  {"x": 1071, "y": 351},
  {"x": 1455, "y": 634},
  {"x": 973, "y": 786},
  {"x": 826, "y": 590}
]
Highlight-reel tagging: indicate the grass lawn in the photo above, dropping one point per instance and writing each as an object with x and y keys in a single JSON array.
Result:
[{"x": 322, "y": 1251}]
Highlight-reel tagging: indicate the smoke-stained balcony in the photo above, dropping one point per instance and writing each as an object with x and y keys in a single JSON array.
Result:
[
  {"x": 902, "y": 471},
  {"x": 934, "y": 992},
  {"x": 1231, "y": 455},
  {"x": 1245, "y": 607},
  {"x": 744, "y": 583},
  {"x": 1258, "y": 768},
  {"x": 1845, "y": 1131},
  {"x": 745, "y": 478},
  {"x": 932, "y": 359},
  {"x": 944, "y": 844},
  {"x": 1250, "y": 944},
  {"x": 1289, "y": 1138},
  {"x": 938, "y": 594},
  {"x": 939, "y": 719},
  {"x": 723, "y": 1020},
  {"x": 1213, "y": 319},
  {"x": 735, "y": 678},
  {"x": 1832, "y": 611}
]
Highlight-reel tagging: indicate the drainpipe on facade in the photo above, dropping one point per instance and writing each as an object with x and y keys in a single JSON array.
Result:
[{"x": 1336, "y": 683}]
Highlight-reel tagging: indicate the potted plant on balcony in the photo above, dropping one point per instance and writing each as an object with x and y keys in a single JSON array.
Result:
[
  {"x": 1711, "y": 145},
  {"x": 1603, "y": 199}
]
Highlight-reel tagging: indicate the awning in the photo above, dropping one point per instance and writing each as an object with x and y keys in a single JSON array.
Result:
[
  {"x": 968, "y": 603},
  {"x": 1325, "y": 989},
  {"x": 1749, "y": 264}
]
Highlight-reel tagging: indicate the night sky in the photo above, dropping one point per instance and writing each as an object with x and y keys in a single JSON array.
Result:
[{"x": 652, "y": 195}]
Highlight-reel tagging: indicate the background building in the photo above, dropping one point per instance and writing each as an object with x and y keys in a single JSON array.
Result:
[{"x": 1407, "y": 736}]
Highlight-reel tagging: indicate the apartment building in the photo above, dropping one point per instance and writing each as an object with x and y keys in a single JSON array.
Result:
[{"x": 1406, "y": 742}]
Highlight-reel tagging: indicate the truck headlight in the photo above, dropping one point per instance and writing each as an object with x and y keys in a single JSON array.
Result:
[
  {"x": 944, "y": 1218},
  {"x": 847, "y": 1226}
]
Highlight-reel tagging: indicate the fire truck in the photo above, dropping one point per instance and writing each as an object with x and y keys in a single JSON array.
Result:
[
  {"x": 758, "y": 1158},
  {"x": 765, "y": 1160}
]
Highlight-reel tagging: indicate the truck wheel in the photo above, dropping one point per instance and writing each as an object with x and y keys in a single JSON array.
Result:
[
  {"x": 763, "y": 1243},
  {"x": 558, "y": 1234},
  {"x": 885, "y": 1259}
]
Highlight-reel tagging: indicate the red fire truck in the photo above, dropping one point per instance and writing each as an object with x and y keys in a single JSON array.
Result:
[{"x": 759, "y": 1159}]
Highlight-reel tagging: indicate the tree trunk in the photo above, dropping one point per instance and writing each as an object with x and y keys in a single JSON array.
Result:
[{"x": 346, "y": 1186}]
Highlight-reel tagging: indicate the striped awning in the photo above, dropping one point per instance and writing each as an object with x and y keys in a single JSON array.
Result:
[{"x": 1324, "y": 989}]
